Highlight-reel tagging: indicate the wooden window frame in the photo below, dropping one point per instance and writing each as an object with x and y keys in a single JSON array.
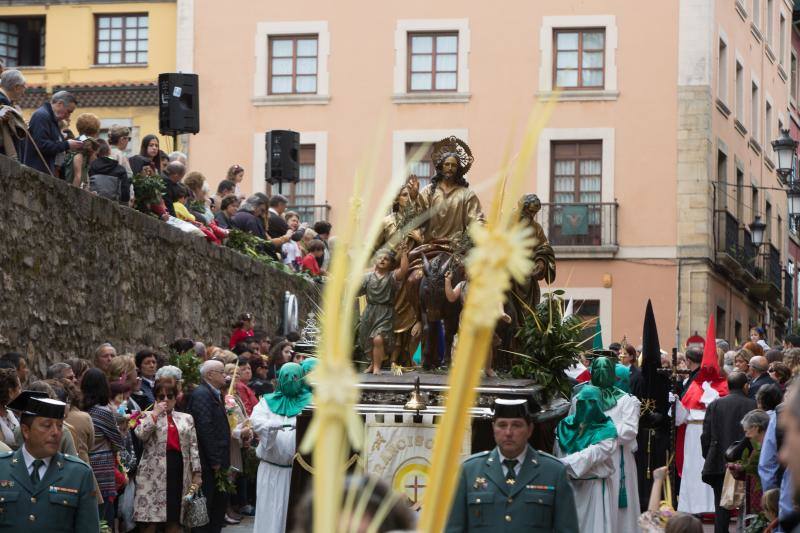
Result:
[
  {"x": 410, "y": 53},
  {"x": 294, "y": 38},
  {"x": 122, "y": 52},
  {"x": 580, "y": 69},
  {"x": 577, "y": 158}
]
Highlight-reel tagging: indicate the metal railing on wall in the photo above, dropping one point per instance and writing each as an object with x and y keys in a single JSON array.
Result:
[{"x": 580, "y": 224}]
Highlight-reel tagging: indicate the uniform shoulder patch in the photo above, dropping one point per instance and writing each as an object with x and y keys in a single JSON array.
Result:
[
  {"x": 75, "y": 459},
  {"x": 546, "y": 456},
  {"x": 476, "y": 456}
]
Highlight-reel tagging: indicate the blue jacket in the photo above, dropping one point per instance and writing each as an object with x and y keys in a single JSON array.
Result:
[{"x": 45, "y": 131}]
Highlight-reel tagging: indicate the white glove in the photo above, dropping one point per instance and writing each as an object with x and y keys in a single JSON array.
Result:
[
  {"x": 709, "y": 394},
  {"x": 673, "y": 397}
]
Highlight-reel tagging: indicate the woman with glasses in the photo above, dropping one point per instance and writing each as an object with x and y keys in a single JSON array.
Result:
[{"x": 170, "y": 465}]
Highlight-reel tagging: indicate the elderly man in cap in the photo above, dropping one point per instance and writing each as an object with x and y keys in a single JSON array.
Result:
[
  {"x": 41, "y": 489},
  {"x": 513, "y": 487}
]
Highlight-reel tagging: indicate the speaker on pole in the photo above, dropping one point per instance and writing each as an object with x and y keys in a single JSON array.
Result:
[
  {"x": 178, "y": 103},
  {"x": 283, "y": 156}
]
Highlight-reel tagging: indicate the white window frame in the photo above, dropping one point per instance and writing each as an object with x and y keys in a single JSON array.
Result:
[
  {"x": 265, "y": 30},
  {"x": 402, "y": 137},
  {"x": 755, "y": 126},
  {"x": 784, "y": 30},
  {"x": 723, "y": 73},
  {"x": 606, "y": 135},
  {"x": 610, "y": 90},
  {"x": 793, "y": 83},
  {"x": 739, "y": 114},
  {"x": 402, "y": 29},
  {"x": 768, "y": 133},
  {"x": 320, "y": 141}
]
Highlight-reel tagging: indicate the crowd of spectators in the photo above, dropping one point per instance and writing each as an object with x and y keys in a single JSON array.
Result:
[
  {"x": 134, "y": 417},
  {"x": 103, "y": 167},
  {"x": 747, "y": 459}
]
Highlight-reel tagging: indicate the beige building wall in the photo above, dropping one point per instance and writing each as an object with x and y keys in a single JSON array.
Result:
[{"x": 657, "y": 118}]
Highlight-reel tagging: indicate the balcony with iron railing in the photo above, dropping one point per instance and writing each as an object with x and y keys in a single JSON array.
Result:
[
  {"x": 577, "y": 230},
  {"x": 311, "y": 213}
]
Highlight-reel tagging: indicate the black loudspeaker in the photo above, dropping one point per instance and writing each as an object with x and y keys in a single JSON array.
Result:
[
  {"x": 178, "y": 103},
  {"x": 283, "y": 156}
]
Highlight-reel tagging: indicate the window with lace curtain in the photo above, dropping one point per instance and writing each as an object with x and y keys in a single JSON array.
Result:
[
  {"x": 576, "y": 183},
  {"x": 301, "y": 194},
  {"x": 418, "y": 161}
]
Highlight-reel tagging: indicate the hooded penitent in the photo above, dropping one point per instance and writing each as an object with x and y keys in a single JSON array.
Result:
[
  {"x": 291, "y": 394},
  {"x": 654, "y": 430},
  {"x": 709, "y": 372},
  {"x": 603, "y": 377},
  {"x": 308, "y": 365},
  {"x": 655, "y": 386},
  {"x": 588, "y": 425},
  {"x": 623, "y": 377}
]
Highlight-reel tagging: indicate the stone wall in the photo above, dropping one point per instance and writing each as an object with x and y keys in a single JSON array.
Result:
[{"x": 77, "y": 270}]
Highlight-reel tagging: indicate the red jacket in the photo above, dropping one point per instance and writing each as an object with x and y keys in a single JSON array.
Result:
[
  {"x": 239, "y": 335},
  {"x": 247, "y": 396}
]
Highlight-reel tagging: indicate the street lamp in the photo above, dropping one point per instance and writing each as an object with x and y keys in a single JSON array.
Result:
[
  {"x": 793, "y": 195},
  {"x": 757, "y": 231},
  {"x": 785, "y": 148}
]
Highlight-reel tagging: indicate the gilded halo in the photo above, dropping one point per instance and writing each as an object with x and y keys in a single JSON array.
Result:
[{"x": 452, "y": 146}]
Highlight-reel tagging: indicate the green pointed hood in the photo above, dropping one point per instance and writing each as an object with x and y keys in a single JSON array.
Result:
[
  {"x": 604, "y": 377},
  {"x": 588, "y": 425},
  {"x": 290, "y": 396}
]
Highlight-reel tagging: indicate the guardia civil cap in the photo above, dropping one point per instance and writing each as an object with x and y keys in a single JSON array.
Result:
[
  {"x": 34, "y": 403},
  {"x": 511, "y": 408}
]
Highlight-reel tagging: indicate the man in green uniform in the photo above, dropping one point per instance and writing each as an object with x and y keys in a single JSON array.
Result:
[
  {"x": 41, "y": 489},
  {"x": 513, "y": 487}
]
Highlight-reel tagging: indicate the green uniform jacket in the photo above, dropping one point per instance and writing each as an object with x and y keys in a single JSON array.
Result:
[
  {"x": 64, "y": 500},
  {"x": 540, "y": 499}
]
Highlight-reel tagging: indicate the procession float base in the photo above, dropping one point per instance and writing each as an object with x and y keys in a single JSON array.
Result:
[{"x": 398, "y": 441}]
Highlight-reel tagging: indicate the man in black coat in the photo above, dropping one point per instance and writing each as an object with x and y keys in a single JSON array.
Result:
[
  {"x": 758, "y": 375},
  {"x": 46, "y": 132},
  {"x": 722, "y": 427},
  {"x": 207, "y": 407},
  {"x": 277, "y": 225}
]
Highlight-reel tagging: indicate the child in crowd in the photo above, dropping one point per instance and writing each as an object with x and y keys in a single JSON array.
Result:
[
  {"x": 181, "y": 199},
  {"x": 242, "y": 328},
  {"x": 316, "y": 249},
  {"x": 290, "y": 251}
]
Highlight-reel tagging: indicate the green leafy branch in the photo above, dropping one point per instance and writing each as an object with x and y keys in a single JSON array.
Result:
[
  {"x": 189, "y": 364},
  {"x": 147, "y": 190},
  {"x": 549, "y": 343},
  {"x": 223, "y": 479}
]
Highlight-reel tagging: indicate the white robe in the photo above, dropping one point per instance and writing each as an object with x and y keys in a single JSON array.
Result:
[
  {"x": 273, "y": 482},
  {"x": 625, "y": 415},
  {"x": 695, "y": 496},
  {"x": 589, "y": 471}
]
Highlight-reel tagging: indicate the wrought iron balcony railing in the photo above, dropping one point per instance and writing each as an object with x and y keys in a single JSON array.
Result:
[
  {"x": 311, "y": 213},
  {"x": 580, "y": 224}
]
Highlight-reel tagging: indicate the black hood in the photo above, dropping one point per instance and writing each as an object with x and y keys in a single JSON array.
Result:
[{"x": 105, "y": 165}]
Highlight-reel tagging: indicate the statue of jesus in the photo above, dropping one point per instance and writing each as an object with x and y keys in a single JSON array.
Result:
[{"x": 450, "y": 203}]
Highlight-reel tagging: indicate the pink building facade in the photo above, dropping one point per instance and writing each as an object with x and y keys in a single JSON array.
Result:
[{"x": 659, "y": 137}]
